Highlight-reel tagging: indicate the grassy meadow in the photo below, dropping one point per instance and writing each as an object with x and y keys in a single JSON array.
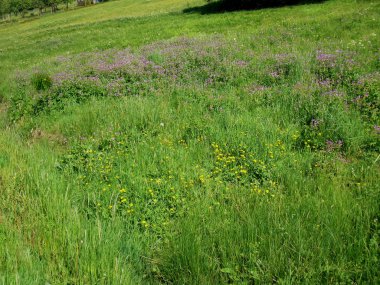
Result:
[{"x": 147, "y": 142}]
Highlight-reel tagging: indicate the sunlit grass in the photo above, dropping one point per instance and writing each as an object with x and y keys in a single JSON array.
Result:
[{"x": 142, "y": 145}]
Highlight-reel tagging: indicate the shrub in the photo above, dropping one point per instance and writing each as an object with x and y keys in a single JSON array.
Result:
[
  {"x": 41, "y": 81},
  {"x": 20, "y": 105},
  {"x": 72, "y": 92}
]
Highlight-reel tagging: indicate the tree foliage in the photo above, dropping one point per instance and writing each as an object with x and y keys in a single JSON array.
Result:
[
  {"x": 21, "y": 6},
  {"x": 9, "y": 7}
]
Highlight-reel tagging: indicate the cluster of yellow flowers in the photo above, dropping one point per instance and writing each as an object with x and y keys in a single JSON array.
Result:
[
  {"x": 238, "y": 166},
  {"x": 156, "y": 199},
  {"x": 242, "y": 167}
]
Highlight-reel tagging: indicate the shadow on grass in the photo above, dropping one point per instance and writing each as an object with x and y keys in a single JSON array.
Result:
[{"x": 222, "y": 6}]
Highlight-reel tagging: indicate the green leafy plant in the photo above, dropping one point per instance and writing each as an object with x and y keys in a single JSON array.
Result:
[{"x": 41, "y": 81}]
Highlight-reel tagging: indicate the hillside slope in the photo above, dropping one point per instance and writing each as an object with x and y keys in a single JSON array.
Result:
[{"x": 144, "y": 144}]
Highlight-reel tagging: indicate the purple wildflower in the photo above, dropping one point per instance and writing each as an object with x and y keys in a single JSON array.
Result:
[
  {"x": 325, "y": 57},
  {"x": 241, "y": 63},
  {"x": 333, "y": 93},
  {"x": 314, "y": 123},
  {"x": 331, "y": 145},
  {"x": 274, "y": 74}
]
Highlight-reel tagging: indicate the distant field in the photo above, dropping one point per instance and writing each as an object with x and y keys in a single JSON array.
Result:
[{"x": 145, "y": 144}]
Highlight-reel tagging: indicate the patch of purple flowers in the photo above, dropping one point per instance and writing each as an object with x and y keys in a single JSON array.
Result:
[
  {"x": 333, "y": 93},
  {"x": 333, "y": 145},
  {"x": 325, "y": 57},
  {"x": 377, "y": 129}
]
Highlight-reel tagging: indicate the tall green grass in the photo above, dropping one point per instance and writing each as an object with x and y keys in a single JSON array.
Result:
[{"x": 239, "y": 148}]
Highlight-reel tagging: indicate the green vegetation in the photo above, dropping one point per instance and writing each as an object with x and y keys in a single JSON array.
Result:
[
  {"x": 147, "y": 142},
  {"x": 10, "y": 8}
]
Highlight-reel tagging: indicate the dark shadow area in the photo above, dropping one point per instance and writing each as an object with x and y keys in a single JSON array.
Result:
[{"x": 231, "y": 5}]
